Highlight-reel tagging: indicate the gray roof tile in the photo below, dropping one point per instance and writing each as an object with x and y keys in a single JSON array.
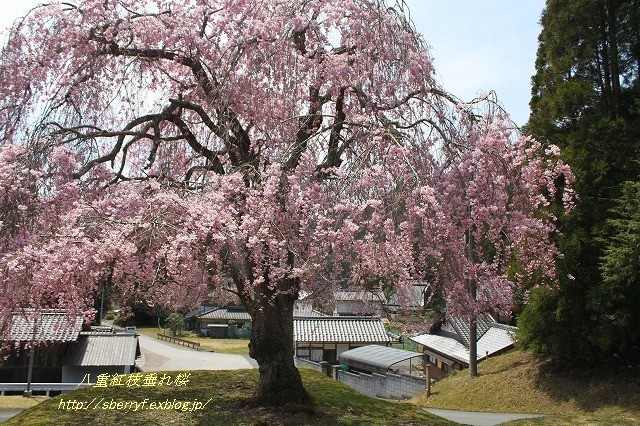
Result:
[
  {"x": 461, "y": 326},
  {"x": 340, "y": 330},
  {"x": 495, "y": 339},
  {"x": 360, "y": 295},
  {"x": 305, "y": 309},
  {"x": 229, "y": 313},
  {"x": 49, "y": 325},
  {"x": 103, "y": 350}
]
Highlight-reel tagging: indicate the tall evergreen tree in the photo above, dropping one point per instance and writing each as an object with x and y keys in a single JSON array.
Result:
[
  {"x": 586, "y": 99},
  {"x": 621, "y": 266}
]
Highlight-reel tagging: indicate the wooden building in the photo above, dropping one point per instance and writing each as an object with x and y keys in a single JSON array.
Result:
[
  {"x": 325, "y": 338},
  {"x": 447, "y": 344}
]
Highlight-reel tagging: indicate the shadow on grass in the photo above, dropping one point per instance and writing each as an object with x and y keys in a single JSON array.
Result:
[{"x": 591, "y": 388}]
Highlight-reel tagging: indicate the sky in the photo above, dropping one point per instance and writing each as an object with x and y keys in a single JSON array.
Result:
[
  {"x": 483, "y": 45},
  {"x": 478, "y": 45}
]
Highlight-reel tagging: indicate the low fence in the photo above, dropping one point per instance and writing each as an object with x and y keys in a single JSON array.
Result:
[
  {"x": 179, "y": 341},
  {"x": 322, "y": 366},
  {"x": 45, "y": 388},
  {"x": 300, "y": 362},
  {"x": 389, "y": 385}
]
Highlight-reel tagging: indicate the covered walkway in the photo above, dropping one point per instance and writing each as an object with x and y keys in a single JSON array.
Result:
[{"x": 380, "y": 359}]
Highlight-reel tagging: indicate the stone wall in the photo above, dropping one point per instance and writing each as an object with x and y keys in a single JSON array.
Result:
[{"x": 389, "y": 385}]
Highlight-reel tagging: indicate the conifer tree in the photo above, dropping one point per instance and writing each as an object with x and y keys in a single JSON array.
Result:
[{"x": 585, "y": 99}]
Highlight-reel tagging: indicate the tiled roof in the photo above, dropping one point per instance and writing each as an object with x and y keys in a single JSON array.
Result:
[
  {"x": 461, "y": 326},
  {"x": 49, "y": 325},
  {"x": 103, "y": 350},
  {"x": 305, "y": 309},
  {"x": 497, "y": 338},
  {"x": 99, "y": 329},
  {"x": 362, "y": 295},
  {"x": 227, "y": 314},
  {"x": 201, "y": 310},
  {"x": 340, "y": 330},
  {"x": 413, "y": 297},
  {"x": 446, "y": 346}
]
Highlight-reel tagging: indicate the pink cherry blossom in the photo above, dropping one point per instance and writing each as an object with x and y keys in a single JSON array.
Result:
[{"x": 175, "y": 150}]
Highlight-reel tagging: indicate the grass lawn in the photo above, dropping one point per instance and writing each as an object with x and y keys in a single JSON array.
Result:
[
  {"x": 15, "y": 402},
  {"x": 224, "y": 346},
  {"x": 516, "y": 382},
  {"x": 228, "y": 394}
]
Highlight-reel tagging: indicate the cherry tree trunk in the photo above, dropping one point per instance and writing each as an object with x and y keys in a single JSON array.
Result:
[{"x": 272, "y": 347}]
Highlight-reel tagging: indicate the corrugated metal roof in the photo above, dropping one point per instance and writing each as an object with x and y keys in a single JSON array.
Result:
[
  {"x": 375, "y": 358},
  {"x": 103, "y": 350},
  {"x": 227, "y": 314},
  {"x": 495, "y": 339},
  {"x": 49, "y": 325},
  {"x": 340, "y": 330}
]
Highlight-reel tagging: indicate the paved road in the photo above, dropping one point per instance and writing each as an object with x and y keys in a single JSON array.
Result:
[
  {"x": 6, "y": 414},
  {"x": 159, "y": 355},
  {"x": 479, "y": 419}
]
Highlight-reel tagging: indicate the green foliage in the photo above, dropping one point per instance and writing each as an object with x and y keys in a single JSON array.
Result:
[
  {"x": 621, "y": 269},
  {"x": 585, "y": 99},
  {"x": 235, "y": 332},
  {"x": 176, "y": 323}
]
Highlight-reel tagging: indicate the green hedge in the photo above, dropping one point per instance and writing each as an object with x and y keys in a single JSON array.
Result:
[{"x": 238, "y": 333}]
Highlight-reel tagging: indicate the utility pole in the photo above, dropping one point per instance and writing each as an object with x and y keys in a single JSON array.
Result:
[
  {"x": 27, "y": 393},
  {"x": 427, "y": 373},
  {"x": 101, "y": 307}
]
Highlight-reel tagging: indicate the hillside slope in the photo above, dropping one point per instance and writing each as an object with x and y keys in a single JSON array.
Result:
[{"x": 518, "y": 383}]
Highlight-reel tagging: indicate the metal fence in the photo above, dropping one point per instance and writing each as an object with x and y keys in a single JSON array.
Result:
[{"x": 45, "y": 388}]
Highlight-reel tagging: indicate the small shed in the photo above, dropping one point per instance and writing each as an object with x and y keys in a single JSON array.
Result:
[
  {"x": 214, "y": 323},
  {"x": 100, "y": 353},
  {"x": 447, "y": 346},
  {"x": 381, "y": 359},
  {"x": 54, "y": 331}
]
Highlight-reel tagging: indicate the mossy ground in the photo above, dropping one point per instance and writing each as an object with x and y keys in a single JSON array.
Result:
[{"x": 229, "y": 394}]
